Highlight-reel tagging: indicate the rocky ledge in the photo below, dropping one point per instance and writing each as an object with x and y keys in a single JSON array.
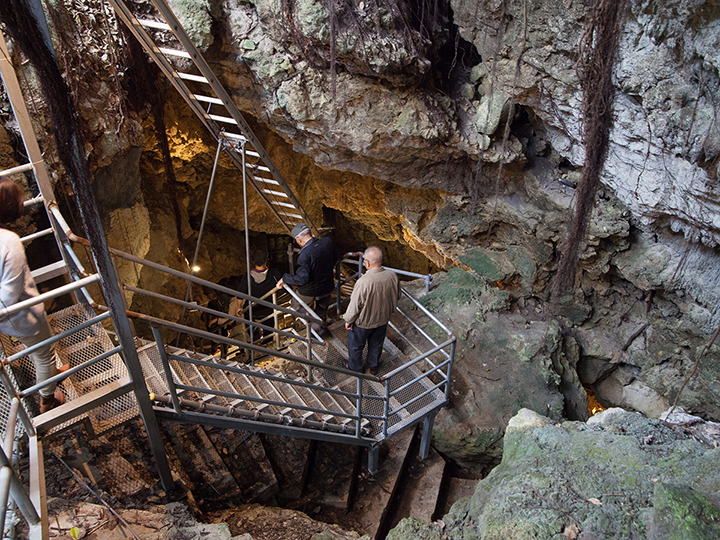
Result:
[{"x": 620, "y": 475}]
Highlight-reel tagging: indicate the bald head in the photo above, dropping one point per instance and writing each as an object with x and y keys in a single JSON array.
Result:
[{"x": 373, "y": 257}]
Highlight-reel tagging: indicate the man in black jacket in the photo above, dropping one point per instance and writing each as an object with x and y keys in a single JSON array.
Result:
[{"x": 314, "y": 277}]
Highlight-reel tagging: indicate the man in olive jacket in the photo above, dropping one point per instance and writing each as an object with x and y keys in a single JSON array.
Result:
[{"x": 373, "y": 300}]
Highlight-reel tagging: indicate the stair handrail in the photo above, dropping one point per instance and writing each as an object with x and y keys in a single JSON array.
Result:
[
  {"x": 64, "y": 289},
  {"x": 10, "y": 484},
  {"x": 347, "y": 258}
]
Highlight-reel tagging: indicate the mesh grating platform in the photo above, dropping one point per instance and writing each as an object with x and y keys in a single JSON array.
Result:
[{"x": 85, "y": 345}]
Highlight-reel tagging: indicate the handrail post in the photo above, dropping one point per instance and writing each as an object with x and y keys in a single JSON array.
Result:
[
  {"x": 8, "y": 448},
  {"x": 449, "y": 369},
  {"x": 22, "y": 499},
  {"x": 308, "y": 327},
  {"x": 157, "y": 334},
  {"x": 359, "y": 408},
  {"x": 12, "y": 394},
  {"x": 386, "y": 409},
  {"x": 428, "y": 280},
  {"x": 276, "y": 320},
  {"x": 338, "y": 275},
  {"x": 290, "y": 253}
]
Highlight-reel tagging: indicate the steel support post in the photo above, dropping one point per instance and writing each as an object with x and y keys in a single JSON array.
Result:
[
  {"x": 71, "y": 151},
  {"x": 251, "y": 328},
  {"x": 200, "y": 234},
  {"x": 449, "y": 369},
  {"x": 157, "y": 334},
  {"x": 359, "y": 407},
  {"x": 386, "y": 409},
  {"x": 17, "y": 492},
  {"x": 427, "y": 429},
  {"x": 374, "y": 459}
]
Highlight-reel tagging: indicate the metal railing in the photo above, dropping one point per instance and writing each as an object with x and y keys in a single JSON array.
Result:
[
  {"x": 387, "y": 393},
  {"x": 347, "y": 259}
]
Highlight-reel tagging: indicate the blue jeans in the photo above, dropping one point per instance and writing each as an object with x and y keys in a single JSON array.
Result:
[{"x": 357, "y": 337}]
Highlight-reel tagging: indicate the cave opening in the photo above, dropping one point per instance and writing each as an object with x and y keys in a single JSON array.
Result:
[{"x": 451, "y": 55}]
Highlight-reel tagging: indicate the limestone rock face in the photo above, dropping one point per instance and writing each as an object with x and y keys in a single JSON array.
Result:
[
  {"x": 504, "y": 362},
  {"x": 417, "y": 154},
  {"x": 617, "y": 476}
]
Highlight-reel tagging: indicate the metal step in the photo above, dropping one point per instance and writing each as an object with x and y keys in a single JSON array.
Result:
[{"x": 164, "y": 39}]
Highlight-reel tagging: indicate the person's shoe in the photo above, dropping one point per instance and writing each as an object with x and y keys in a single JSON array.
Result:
[
  {"x": 50, "y": 402},
  {"x": 345, "y": 364},
  {"x": 63, "y": 368},
  {"x": 374, "y": 371}
]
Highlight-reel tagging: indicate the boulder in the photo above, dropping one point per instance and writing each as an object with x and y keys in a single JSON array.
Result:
[{"x": 619, "y": 475}]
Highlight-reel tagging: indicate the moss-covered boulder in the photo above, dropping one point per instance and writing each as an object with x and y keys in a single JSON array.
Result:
[{"x": 620, "y": 475}]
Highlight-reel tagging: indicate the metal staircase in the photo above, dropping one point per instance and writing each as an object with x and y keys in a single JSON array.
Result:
[
  {"x": 111, "y": 372},
  {"x": 166, "y": 42}
]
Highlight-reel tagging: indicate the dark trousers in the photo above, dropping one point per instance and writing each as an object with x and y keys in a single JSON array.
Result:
[
  {"x": 319, "y": 304},
  {"x": 357, "y": 337}
]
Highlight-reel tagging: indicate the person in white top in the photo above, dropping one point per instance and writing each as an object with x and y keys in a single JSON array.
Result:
[{"x": 30, "y": 325}]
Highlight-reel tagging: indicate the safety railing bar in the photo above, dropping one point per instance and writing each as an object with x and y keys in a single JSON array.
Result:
[
  {"x": 10, "y": 427},
  {"x": 62, "y": 376},
  {"x": 232, "y": 395},
  {"x": 416, "y": 398},
  {"x": 204, "y": 309},
  {"x": 30, "y": 237},
  {"x": 396, "y": 270},
  {"x": 60, "y": 219},
  {"x": 55, "y": 338},
  {"x": 249, "y": 373},
  {"x": 18, "y": 493},
  {"x": 421, "y": 376},
  {"x": 426, "y": 312},
  {"x": 417, "y": 327},
  {"x": 167, "y": 370},
  {"x": 11, "y": 391},
  {"x": 198, "y": 281},
  {"x": 241, "y": 344},
  {"x": 418, "y": 359},
  {"x": 76, "y": 269},
  {"x": 307, "y": 322},
  {"x": 19, "y": 169},
  {"x": 233, "y": 411},
  {"x": 33, "y": 201},
  {"x": 8, "y": 448},
  {"x": 70, "y": 287},
  {"x": 263, "y": 297},
  {"x": 409, "y": 341},
  {"x": 313, "y": 318}
]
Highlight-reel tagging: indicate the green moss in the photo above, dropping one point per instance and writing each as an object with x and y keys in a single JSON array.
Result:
[
  {"x": 194, "y": 15},
  {"x": 485, "y": 263},
  {"x": 682, "y": 513}
]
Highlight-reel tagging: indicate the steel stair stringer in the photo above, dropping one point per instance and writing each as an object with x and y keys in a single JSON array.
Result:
[{"x": 283, "y": 204}]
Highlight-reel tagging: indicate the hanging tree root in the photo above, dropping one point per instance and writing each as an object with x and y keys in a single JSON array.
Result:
[{"x": 597, "y": 54}]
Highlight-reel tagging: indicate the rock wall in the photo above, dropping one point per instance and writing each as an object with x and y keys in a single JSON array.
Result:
[
  {"x": 401, "y": 127},
  {"x": 617, "y": 476}
]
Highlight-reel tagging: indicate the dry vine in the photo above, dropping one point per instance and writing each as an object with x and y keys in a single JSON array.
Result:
[{"x": 597, "y": 53}]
